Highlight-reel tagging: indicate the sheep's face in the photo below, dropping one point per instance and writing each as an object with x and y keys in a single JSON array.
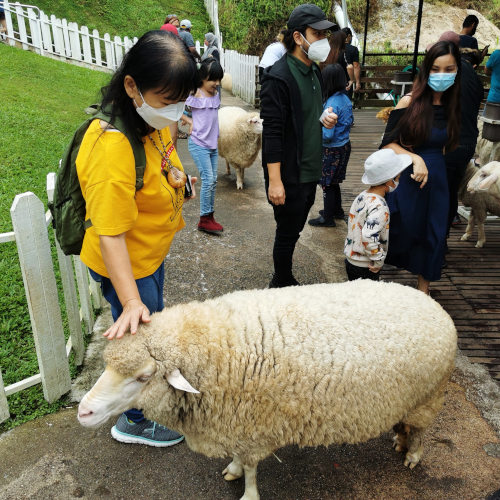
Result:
[
  {"x": 255, "y": 124},
  {"x": 113, "y": 394},
  {"x": 485, "y": 179}
]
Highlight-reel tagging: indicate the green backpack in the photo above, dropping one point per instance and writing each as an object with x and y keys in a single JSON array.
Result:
[{"x": 68, "y": 205}]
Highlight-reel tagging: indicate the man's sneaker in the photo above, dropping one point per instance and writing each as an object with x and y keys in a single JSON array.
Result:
[{"x": 145, "y": 432}]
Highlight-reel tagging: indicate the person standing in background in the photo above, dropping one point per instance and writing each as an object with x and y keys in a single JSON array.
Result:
[
  {"x": 352, "y": 60},
  {"x": 291, "y": 107},
  {"x": 273, "y": 52},
  {"x": 469, "y": 27},
  {"x": 187, "y": 38}
]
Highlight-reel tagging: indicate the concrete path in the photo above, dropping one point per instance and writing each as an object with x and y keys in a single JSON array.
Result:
[{"x": 55, "y": 458}]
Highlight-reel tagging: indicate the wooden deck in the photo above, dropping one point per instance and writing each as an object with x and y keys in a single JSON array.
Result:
[{"x": 470, "y": 284}]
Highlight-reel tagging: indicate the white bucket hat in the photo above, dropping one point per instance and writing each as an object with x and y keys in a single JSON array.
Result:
[
  {"x": 383, "y": 166},
  {"x": 186, "y": 23}
]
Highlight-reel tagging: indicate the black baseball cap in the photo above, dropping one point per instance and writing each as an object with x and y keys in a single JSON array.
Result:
[{"x": 310, "y": 15}]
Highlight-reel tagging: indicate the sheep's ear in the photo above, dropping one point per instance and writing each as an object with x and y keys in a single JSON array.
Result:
[
  {"x": 485, "y": 184},
  {"x": 177, "y": 380}
]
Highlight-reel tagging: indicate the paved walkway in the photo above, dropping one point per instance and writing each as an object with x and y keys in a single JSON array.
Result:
[{"x": 55, "y": 458}]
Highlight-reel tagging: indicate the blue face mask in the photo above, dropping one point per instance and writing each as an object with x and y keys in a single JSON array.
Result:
[{"x": 441, "y": 81}]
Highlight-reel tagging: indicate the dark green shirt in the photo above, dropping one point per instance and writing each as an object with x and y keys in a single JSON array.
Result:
[{"x": 312, "y": 107}]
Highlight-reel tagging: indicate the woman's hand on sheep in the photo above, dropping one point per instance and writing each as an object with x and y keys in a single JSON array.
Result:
[
  {"x": 420, "y": 172},
  {"x": 134, "y": 312}
]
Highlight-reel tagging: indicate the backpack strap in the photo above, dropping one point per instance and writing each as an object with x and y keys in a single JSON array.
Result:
[{"x": 137, "y": 145}]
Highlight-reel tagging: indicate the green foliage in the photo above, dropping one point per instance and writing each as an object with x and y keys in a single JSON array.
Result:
[{"x": 130, "y": 18}]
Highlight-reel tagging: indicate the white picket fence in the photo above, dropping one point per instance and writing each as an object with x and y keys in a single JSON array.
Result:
[
  {"x": 30, "y": 223},
  {"x": 244, "y": 73},
  {"x": 32, "y": 29}
]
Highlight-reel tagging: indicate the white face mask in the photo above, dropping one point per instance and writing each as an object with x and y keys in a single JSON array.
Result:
[
  {"x": 393, "y": 188},
  {"x": 318, "y": 51},
  {"x": 160, "y": 118}
]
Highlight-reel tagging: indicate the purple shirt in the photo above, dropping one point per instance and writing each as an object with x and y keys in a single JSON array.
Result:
[{"x": 205, "y": 120}]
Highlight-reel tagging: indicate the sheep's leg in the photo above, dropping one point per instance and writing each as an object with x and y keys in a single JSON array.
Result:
[
  {"x": 415, "y": 447},
  {"x": 481, "y": 236},
  {"x": 470, "y": 227},
  {"x": 240, "y": 174},
  {"x": 418, "y": 421},
  {"x": 401, "y": 437},
  {"x": 228, "y": 169},
  {"x": 234, "y": 470},
  {"x": 251, "y": 491}
]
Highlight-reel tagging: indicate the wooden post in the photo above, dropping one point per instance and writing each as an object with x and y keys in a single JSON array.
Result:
[
  {"x": 118, "y": 50},
  {"x": 8, "y": 20},
  {"x": 69, "y": 289},
  {"x": 74, "y": 41},
  {"x": 97, "y": 47},
  {"x": 65, "y": 37},
  {"x": 87, "y": 54},
  {"x": 4, "y": 405},
  {"x": 45, "y": 29},
  {"x": 82, "y": 280},
  {"x": 28, "y": 220},
  {"x": 108, "y": 46},
  {"x": 36, "y": 32},
  {"x": 22, "y": 27}
]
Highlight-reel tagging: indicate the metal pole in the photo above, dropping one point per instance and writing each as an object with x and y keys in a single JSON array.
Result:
[
  {"x": 417, "y": 38},
  {"x": 367, "y": 13}
]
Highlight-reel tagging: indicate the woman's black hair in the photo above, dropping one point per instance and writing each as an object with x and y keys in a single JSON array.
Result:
[
  {"x": 416, "y": 123},
  {"x": 288, "y": 40},
  {"x": 334, "y": 80},
  {"x": 210, "y": 70},
  {"x": 158, "y": 61}
]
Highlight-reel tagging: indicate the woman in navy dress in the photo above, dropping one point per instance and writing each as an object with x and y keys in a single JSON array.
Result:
[{"x": 425, "y": 125}]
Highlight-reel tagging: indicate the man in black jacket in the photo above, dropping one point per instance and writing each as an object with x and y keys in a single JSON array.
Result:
[{"x": 291, "y": 106}]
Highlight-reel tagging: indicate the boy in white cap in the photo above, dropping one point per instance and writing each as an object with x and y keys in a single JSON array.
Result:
[{"x": 367, "y": 238}]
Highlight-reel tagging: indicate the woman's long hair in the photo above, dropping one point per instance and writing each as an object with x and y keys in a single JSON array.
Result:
[
  {"x": 159, "y": 61},
  {"x": 337, "y": 46},
  {"x": 416, "y": 123}
]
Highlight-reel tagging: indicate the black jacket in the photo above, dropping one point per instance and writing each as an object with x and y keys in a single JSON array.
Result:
[{"x": 281, "y": 110}]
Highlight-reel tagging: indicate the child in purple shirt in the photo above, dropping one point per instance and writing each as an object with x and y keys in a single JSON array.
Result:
[{"x": 202, "y": 144}]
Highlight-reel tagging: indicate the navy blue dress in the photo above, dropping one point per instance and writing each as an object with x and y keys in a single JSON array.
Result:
[{"x": 418, "y": 225}]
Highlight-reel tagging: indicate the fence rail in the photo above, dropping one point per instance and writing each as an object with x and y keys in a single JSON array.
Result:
[{"x": 30, "y": 222}]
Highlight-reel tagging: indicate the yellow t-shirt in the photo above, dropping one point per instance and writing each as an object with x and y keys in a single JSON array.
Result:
[{"x": 150, "y": 218}]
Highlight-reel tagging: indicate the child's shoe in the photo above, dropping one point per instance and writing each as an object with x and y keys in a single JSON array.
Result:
[{"x": 209, "y": 225}]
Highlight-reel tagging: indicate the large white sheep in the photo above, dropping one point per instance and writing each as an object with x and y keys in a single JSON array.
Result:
[
  {"x": 477, "y": 192},
  {"x": 240, "y": 138},
  {"x": 310, "y": 365}
]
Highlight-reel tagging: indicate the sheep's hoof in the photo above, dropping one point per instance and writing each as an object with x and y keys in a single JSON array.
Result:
[
  {"x": 480, "y": 244},
  {"x": 232, "y": 472},
  {"x": 239, "y": 186},
  {"x": 412, "y": 459},
  {"x": 465, "y": 237}
]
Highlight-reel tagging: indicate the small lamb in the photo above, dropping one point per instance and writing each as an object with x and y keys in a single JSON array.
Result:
[
  {"x": 480, "y": 191},
  {"x": 247, "y": 373},
  {"x": 240, "y": 137}
]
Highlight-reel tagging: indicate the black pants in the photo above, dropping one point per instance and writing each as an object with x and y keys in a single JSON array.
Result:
[
  {"x": 357, "y": 272},
  {"x": 290, "y": 220},
  {"x": 456, "y": 164},
  {"x": 332, "y": 202}
]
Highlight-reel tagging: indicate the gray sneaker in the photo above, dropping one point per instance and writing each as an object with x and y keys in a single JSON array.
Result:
[{"x": 145, "y": 432}]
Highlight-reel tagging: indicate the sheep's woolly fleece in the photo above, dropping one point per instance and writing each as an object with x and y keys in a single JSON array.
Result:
[{"x": 308, "y": 365}]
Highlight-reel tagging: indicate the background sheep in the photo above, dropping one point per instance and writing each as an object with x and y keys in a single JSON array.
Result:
[
  {"x": 240, "y": 138},
  {"x": 481, "y": 201},
  {"x": 487, "y": 151},
  {"x": 302, "y": 365}
]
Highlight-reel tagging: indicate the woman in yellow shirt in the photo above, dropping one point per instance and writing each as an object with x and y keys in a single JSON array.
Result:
[{"x": 131, "y": 230}]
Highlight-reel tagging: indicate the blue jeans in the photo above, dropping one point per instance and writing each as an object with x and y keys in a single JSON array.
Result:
[
  {"x": 206, "y": 163},
  {"x": 151, "y": 293}
]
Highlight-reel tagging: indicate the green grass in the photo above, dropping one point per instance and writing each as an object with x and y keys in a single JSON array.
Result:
[
  {"x": 42, "y": 103},
  {"x": 128, "y": 18}
]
